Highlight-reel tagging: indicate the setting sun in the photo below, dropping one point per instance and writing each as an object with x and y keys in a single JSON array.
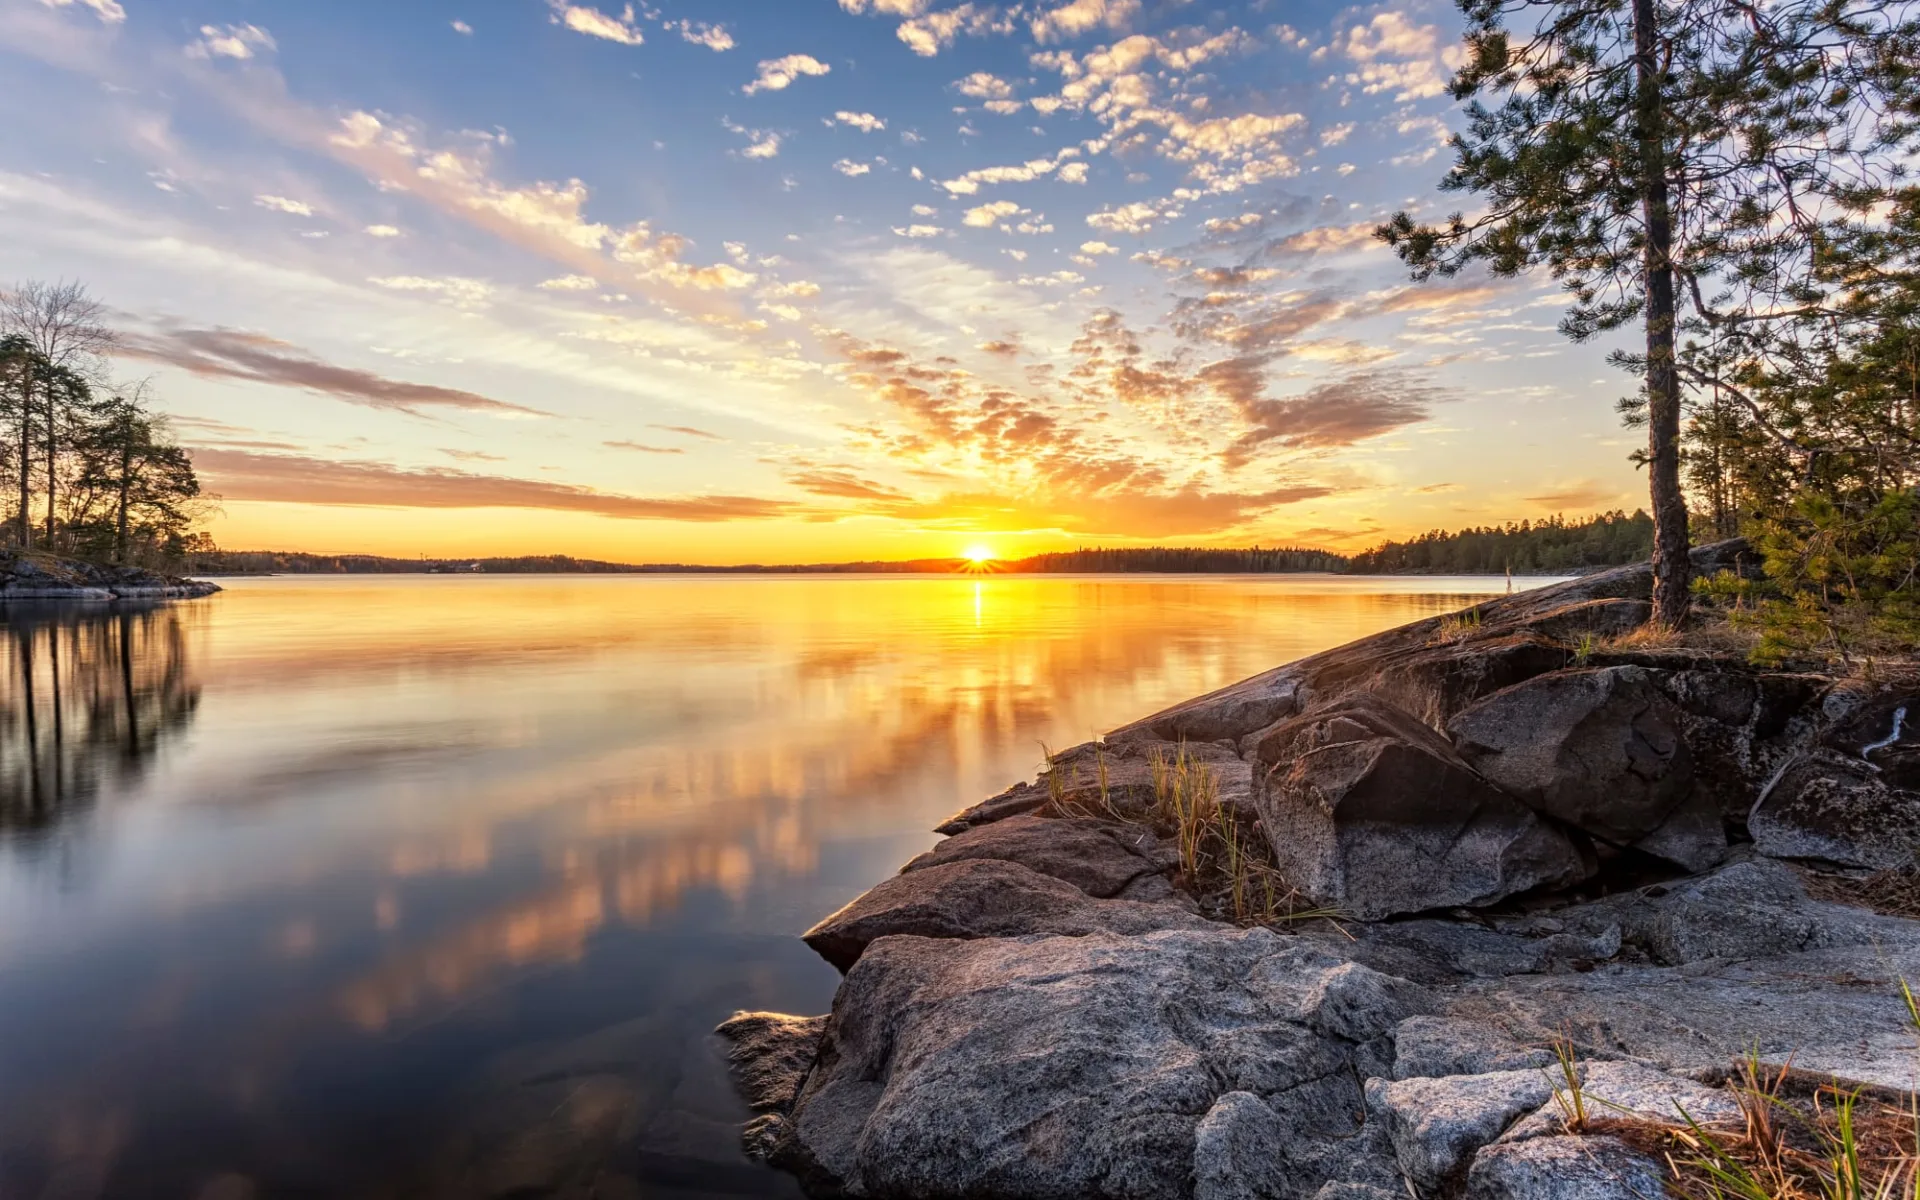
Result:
[{"x": 979, "y": 554}]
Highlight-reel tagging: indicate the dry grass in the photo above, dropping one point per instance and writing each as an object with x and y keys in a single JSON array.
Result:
[
  {"x": 1896, "y": 892},
  {"x": 1826, "y": 1143},
  {"x": 1456, "y": 627},
  {"x": 1220, "y": 859}
]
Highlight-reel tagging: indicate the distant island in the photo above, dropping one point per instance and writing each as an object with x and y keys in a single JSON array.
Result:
[{"x": 1551, "y": 546}]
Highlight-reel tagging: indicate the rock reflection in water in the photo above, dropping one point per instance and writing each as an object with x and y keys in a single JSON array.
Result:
[{"x": 90, "y": 696}]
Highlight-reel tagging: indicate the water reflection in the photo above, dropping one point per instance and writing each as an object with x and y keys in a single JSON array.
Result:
[
  {"x": 90, "y": 696},
  {"x": 433, "y": 887}
]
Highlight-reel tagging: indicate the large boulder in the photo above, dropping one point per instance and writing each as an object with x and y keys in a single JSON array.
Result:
[
  {"x": 1835, "y": 810},
  {"x": 1740, "y": 727},
  {"x": 1093, "y": 1066},
  {"x": 1099, "y": 857},
  {"x": 1564, "y": 1168},
  {"x": 981, "y": 898},
  {"x": 1600, "y": 749},
  {"x": 1369, "y": 811}
]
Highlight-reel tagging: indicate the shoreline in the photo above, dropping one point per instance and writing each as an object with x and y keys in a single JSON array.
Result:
[
  {"x": 1347, "y": 909},
  {"x": 45, "y": 579}
]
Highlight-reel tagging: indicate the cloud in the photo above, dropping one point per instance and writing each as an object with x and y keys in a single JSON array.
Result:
[
  {"x": 543, "y": 217},
  {"x": 689, "y": 430},
  {"x": 1081, "y": 16},
  {"x": 778, "y": 73},
  {"x": 1338, "y": 413},
  {"x": 1097, "y": 248},
  {"x": 1395, "y": 55},
  {"x": 1326, "y": 239},
  {"x": 230, "y": 41},
  {"x": 299, "y": 479},
  {"x": 982, "y": 85},
  {"x": 848, "y": 167},
  {"x": 472, "y": 455},
  {"x": 986, "y": 215},
  {"x": 890, "y": 8},
  {"x": 844, "y": 485},
  {"x": 1433, "y": 489},
  {"x": 700, "y": 33},
  {"x": 453, "y": 287},
  {"x": 297, "y": 208},
  {"x": 643, "y": 448},
  {"x": 569, "y": 283},
  {"x": 382, "y": 231},
  {"x": 865, "y": 122},
  {"x": 762, "y": 143},
  {"x": 1584, "y": 493},
  {"x": 929, "y": 34},
  {"x": 255, "y": 358},
  {"x": 918, "y": 231},
  {"x": 461, "y": 27},
  {"x": 109, "y": 11},
  {"x": 1133, "y": 218},
  {"x": 591, "y": 21}
]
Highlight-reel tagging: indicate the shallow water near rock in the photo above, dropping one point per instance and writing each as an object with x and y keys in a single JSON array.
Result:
[{"x": 435, "y": 886}]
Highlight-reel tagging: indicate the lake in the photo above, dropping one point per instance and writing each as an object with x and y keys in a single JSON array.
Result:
[{"x": 434, "y": 886}]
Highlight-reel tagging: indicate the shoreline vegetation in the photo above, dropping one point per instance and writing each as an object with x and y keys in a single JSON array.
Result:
[{"x": 1554, "y": 546}]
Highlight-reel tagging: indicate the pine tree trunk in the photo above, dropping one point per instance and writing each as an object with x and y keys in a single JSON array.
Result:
[
  {"x": 120, "y": 518},
  {"x": 26, "y": 459},
  {"x": 1671, "y": 566},
  {"x": 53, "y": 464}
]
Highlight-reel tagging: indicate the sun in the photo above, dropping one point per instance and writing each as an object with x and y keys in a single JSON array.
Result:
[{"x": 979, "y": 554}]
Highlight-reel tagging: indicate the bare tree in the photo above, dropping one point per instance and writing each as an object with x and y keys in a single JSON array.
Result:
[{"x": 67, "y": 328}]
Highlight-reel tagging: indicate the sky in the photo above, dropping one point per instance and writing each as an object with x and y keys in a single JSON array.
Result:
[{"x": 721, "y": 281}]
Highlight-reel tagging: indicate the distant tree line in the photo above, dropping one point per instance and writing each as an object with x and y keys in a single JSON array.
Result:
[
  {"x": 1552, "y": 546},
  {"x": 1178, "y": 559},
  {"x": 91, "y": 471}
]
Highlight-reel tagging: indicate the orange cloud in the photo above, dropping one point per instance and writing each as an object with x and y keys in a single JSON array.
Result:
[{"x": 298, "y": 479}]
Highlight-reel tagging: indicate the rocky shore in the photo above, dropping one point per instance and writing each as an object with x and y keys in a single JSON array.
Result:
[
  {"x": 1513, "y": 843},
  {"x": 45, "y": 577}
]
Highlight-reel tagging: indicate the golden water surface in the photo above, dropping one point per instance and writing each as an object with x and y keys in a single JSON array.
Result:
[{"x": 433, "y": 885}]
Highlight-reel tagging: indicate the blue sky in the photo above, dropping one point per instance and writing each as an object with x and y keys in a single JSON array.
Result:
[{"x": 800, "y": 280}]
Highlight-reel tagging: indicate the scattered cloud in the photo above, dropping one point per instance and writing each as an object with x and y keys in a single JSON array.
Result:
[
  {"x": 230, "y": 41},
  {"x": 847, "y": 166},
  {"x": 591, "y": 21},
  {"x": 987, "y": 215},
  {"x": 643, "y": 448},
  {"x": 1071, "y": 20},
  {"x": 109, "y": 11},
  {"x": 776, "y": 74},
  {"x": 461, "y": 27},
  {"x": 865, "y": 122},
  {"x": 689, "y": 431},
  {"x": 453, "y": 287},
  {"x": 1333, "y": 414},
  {"x": 569, "y": 283},
  {"x": 256, "y": 358},
  {"x": 382, "y": 231},
  {"x": 281, "y": 204},
  {"x": 982, "y": 85},
  {"x": 700, "y": 33}
]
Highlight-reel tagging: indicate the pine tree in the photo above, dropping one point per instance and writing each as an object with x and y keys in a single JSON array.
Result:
[{"x": 1674, "y": 163}]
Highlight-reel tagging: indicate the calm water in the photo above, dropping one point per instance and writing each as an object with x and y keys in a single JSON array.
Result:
[{"x": 434, "y": 886}]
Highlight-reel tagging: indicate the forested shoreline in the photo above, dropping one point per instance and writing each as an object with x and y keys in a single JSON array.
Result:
[{"x": 1551, "y": 546}]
